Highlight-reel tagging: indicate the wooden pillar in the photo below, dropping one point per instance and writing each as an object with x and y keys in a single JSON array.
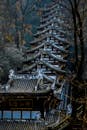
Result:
[
  {"x": 42, "y": 112},
  {"x": 21, "y": 115},
  {"x": 11, "y": 115},
  {"x": 30, "y": 114},
  {"x": 2, "y": 115}
]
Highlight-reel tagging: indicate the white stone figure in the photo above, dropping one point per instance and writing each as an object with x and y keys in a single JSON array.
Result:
[
  {"x": 59, "y": 91},
  {"x": 52, "y": 24},
  {"x": 69, "y": 109},
  {"x": 48, "y": 39},
  {"x": 35, "y": 88},
  {"x": 50, "y": 32},
  {"x": 11, "y": 73},
  {"x": 40, "y": 79},
  {"x": 7, "y": 87},
  {"x": 54, "y": 18},
  {"x": 41, "y": 57},
  {"x": 40, "y": 76},
  {"x": 44, "y": 47},
  {"x": 53, "y": 85}
]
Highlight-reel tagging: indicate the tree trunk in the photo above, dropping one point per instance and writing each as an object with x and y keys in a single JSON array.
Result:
[
  {"x": 75, "y": 32},
  {"x": 75, "y": 40},
  {"x": 22, "y": 31},
  {"x": 80, "y": 68}
]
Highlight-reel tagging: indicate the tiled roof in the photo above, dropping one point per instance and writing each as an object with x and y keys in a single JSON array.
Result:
[
  {"x": 23, "y": 85},
  {"x": 26, "y": 86}
]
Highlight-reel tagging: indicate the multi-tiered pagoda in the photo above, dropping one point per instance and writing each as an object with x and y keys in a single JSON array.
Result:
[{"x": 37, "y": 96}]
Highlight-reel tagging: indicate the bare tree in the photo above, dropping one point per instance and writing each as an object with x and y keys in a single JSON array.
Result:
[
  {"x": 76, "y": 8},
  {"x": 23, "y": 8}
]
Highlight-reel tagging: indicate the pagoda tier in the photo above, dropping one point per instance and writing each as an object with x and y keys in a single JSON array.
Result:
[
  {"x": 51, "y": 37},
  {"x": 45, "y": 20},
  {"x": 49, "y": 13},
  {"x": 55, "y": 21},
  {"x": 47, "y": 68},
  {"x": 45, "y": 15},
  {"x": 50, "y": 7},
  {"x": 50, "y": 44},
  {"x": 52, "y": 29},
  {"x": 56, "y": 51},
  {"x": 60, "y": 57}
]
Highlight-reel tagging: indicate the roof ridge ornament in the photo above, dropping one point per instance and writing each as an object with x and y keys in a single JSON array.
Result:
[
  {"x": 11, "y": 74},
  {"x": 40, "y": 78},
  {"x": 53, "y": 85},
  {"x": 41, "y": 58}
]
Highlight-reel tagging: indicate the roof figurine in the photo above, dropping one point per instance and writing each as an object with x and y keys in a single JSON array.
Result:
[{"x": 11, "y": 74}]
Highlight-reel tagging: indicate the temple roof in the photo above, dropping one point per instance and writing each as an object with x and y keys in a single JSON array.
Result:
[{"x": 22, "y": 84}]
